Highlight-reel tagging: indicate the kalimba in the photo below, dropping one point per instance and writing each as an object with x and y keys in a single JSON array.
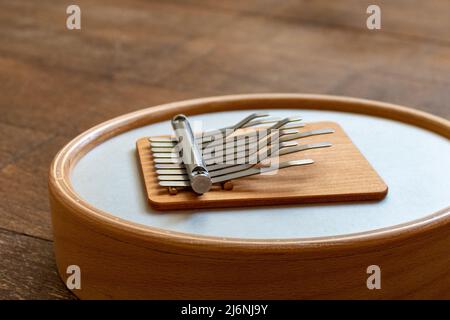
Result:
[{"x": 137, "y": 227}]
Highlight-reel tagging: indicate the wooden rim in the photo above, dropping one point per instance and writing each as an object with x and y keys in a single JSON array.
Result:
[{"x": 61, "y": 189}]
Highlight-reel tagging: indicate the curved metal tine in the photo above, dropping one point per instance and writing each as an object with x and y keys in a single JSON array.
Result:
[
  {"x": 236, "y": 126},
  {"x": 230, "y": 140},
  {"x": 254, "y": 171},
  {"x": 287, "y": 135},
  {"x": 283, "y": 150},
  {"x": 164, "y": 149},
  {"x": 262, "y": 154},
  {"x": 231, "y": 169},
  {"x": 284, "y": 122},
  {"x": 228, "y": 151},
  {"x": 161, "y": 139},
  {"x": 235, "y": 141},
  {"x": 172, "y": 142},
  {"x": 212, "y": 160},
  {"x": 212, "y": 173},
  {"x": 243, "y": 171},
  {"x": 261, "y": 121},
  {"x": 304, "y": 147},
  {"x": 277, "y": 126},
  {"x": 246, "y": 122},
  {"x": 167, "y": 160},
  {"x": 219, "y": 159},
  {"x": 239, "y": 174},
  {"x": 173, "y": 177},
  {"x": 266, "y": 140},
  {"x": 293, "y": 125},
  {"x": 168, "y": 144},
  {"x": 174, "y": 183},
  {"x": 205, "y": 137},
  {"x": 169, "y": 166},
  {"x": 159, "y": 155},
  {"x": 306, "y": 134},
  {"x": 166, "y": 153},
  {"x": 171, "y": 171},
  {"x": 238, "y": 140}
]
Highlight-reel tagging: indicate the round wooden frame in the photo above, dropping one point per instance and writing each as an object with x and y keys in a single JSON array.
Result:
[{"x": 121, "y": 259}]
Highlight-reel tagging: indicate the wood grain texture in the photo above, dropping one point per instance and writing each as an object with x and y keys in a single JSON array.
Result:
[
  {"x": 198, "y": 267},
  {"x": 28, "y": 269},
  {"x": 56, "y": 83},
  {"x": 339, "y": 173}
]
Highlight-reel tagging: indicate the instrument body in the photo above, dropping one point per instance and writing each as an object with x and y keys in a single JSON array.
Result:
[
  {"x": 121, "y": 258},
  {"x": 340, "y": 173}
]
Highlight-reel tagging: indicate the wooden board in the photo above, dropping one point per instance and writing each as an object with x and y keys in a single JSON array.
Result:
[{"x": 339, "y": 173}]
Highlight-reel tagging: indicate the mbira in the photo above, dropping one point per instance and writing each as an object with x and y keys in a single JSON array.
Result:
[{"x": 276, "y": 196}]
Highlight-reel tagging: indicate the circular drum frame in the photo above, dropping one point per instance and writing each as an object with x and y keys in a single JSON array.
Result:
[{"x": 122, "y": 259}]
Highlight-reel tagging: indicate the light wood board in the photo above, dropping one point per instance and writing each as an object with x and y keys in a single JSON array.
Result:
[{"x": 339, "y": 173}]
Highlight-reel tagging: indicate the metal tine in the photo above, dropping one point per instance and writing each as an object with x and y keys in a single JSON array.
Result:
[
  {"x": 175, "y": 164},
  {"x": 306, "y": 134},
  {"x": 277, "y": 126},
  {"x": 245, "y": 121},
  {"x": 239, "y": 174},
  {"x": 209, "y": 158},
  {"x": 169, "y": 166},
  {"x": 229, "y": 169},
  {"x": 264, "y": 155},
  {"x": 207, "y": 137},
  {"x": 289, "y": 135},
  {"x": 161, "y": 155},
  {"x": 254, "y": 171},
  {"x": 255, "y": 123},
  {"x": 168, "y": 161},
  {"x": 174, "y": 184},
  {"x": 229, "y": 143},
  {"x": 166, "y": 164},
  {"x": 284, "y": 122},
  {"x": 158, "y": 147},
  {"x": 293, "y": 126},
  {"x": 169, "y": 143},
  {"x": 171, "y": 171},
  {"x": 203, "y": 135},
  {"x": 214, "y": 158},
  {"x": 271, "y": 131},
  {"x": 265, "y": 138},
  {"x": 166, "y": 153},
  {"x": 173, "y": 157},
  {"x": 237, "y": 142},
  {"x": 180, "y": 170},
  {"x": 161, "y": 144},
  {"x": 239, "y": 157},
  {"x": 173, "y": 177}
]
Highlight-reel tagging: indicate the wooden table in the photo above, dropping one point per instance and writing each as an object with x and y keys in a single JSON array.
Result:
[{"x": 56, "y": 83}]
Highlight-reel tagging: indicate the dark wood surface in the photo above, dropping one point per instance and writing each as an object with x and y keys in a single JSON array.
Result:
[{"x": 56, "y": 83}]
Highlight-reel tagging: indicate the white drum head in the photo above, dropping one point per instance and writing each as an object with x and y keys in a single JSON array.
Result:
[{"x": 412, "y": 161}]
